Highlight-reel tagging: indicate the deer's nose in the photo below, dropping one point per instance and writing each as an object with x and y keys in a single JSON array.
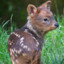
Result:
[{"x": 57, "y": 25}]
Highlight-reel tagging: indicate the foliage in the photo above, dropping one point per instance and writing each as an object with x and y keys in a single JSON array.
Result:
[{"x": 4, "y": 56}]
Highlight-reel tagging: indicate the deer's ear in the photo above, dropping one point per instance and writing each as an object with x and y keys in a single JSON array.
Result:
[
  {"x": 31, "y": 9},
  {"x": 47, "y": 4}
]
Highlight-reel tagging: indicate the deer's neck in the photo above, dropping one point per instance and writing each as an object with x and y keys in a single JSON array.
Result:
[{"x": 38, "y": 35}]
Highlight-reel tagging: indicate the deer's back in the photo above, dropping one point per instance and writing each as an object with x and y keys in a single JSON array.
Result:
[{"x": 22, "y": 44}]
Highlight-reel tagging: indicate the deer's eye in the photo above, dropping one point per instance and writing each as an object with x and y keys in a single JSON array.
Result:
[{"x": 45, "y": 19}]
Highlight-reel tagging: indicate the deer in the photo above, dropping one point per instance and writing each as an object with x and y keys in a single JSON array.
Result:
[{"x": 25, "y": 44}]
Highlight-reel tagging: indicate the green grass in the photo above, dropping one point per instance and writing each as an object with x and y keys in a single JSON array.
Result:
[
  {"x": 52, "y": 51},
  {"x": 4, "y": 56}
]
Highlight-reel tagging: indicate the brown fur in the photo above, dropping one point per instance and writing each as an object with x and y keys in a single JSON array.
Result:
[{"x": 25, "y": 44}]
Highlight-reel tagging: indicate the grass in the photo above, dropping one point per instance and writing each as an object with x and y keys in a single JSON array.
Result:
[
  {"x": 4, "y": 56},
  {"x": 52, "y": 51}
]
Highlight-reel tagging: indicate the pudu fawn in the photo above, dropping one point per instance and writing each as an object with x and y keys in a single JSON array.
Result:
[{"x": 25, "y": 44}]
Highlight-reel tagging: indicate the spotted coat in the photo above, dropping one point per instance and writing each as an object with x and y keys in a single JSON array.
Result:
[{"x": 25, "y": 44}]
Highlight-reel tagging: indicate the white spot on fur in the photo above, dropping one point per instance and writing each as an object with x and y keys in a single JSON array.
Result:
[
  {"x": 19, "y": 51},
  {"x": 16, "y": 34},
  {"x": 28, "y": 17},
  {"x": 26, "y": 30},
  {"x": 37, "y": 43},
  {"x": 32, "y": 14},
  {"x": 31, "y": 28},
  {"x": 29, "y": 33},
  {"x": 35, "y": 10},
  {"x": 11, "y": 51},
  {"x": 34, "y": 38},
  {"x": 29, "y": 49},
  {"x": 24, "y": 54},
  {"x": 10, "y": 42},
  {"x": 17, "y": 61},
  {"x": 16, "y": 51},
  {"x": 13, "y": 62},
  {"x": 16, "y": 55},
  {"x": 22, "y": 45},
  {"x": 25, "y": 47},
  {"x": 21, "y": 40}
]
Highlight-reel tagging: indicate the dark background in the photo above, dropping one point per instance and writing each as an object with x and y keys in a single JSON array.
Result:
[{"x": 18, "y": 9}]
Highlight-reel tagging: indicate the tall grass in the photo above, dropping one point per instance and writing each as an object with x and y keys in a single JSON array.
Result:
[
  {"x": 57, "y": 11},
  {"x": 4, "y": 56},
  {"x": 4, "y": 35}
]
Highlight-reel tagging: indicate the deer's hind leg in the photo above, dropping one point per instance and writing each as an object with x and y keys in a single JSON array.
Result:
[{"x": 20, "y": 60}]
